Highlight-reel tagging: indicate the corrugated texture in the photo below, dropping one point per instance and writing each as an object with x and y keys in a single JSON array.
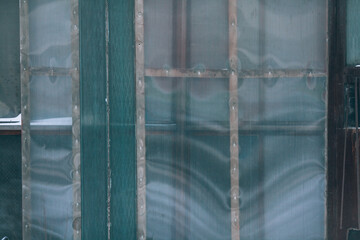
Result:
[
  {"x": 93, "y": 119},
  {"x": 122, "y": 119}
]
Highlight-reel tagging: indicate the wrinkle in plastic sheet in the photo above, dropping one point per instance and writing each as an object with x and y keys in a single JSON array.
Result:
[
  {"x": 281, "y": 122},
  {"x": 51, "y": 154}
]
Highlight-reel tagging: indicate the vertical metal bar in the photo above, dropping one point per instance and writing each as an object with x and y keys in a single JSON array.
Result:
[
  {"x": 357, "y": 151},
  {"x": 327, "y": 62},
  {"x": 76, "y": 120},
  {"x": 234, "y": 133},
  {"x": 344, "y": 161},
  {"x": 181, "y": 166},
  {"x": 140, "y": 120},
  {"x": 261, "y": 169},
  {"x": 25, "y": 109}
]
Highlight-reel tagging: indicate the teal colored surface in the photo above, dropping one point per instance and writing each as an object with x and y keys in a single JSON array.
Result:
[
  {"x": 9, "y": 59},
  {"x": 353, "y": 32},
  {"x": 93, "y": 119},
  {"x": 10, "y": 187},
  {"x": 122, "y": 119}
]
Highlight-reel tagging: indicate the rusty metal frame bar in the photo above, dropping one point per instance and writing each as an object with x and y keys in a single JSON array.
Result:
[
  {"x": 226, "y": 73},
  {"x": 234, "y": 119},
  {"x": 25, "y": 116},
  {"x": 75, "y": 75},
  {"x": 49, "y": 71},
  {"x": 140, "y": 120},
  {"x": 26, "y": 72}
]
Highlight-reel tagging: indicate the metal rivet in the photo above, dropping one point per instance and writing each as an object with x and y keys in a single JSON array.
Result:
[{"x": 76, "y": 224}]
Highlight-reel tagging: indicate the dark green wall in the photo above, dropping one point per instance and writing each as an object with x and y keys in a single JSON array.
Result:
[
  {"x": 97, "y": 124},
  {"x": 10, "y": 186},
  {"x": 93, "y": 119}
]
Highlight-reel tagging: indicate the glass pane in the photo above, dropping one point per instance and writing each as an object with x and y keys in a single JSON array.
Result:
[
  {"x": 50, "y": 33},
  {"x": 9, "y": 59},
  {"x": 352, "y": 32}
]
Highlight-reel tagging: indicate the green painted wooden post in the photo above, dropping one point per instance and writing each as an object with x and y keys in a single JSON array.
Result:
[
  {"x": 122, "y": 119},
  {"x": 93, "y": 119}
]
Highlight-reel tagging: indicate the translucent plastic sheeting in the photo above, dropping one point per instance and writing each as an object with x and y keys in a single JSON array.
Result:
[
  {"x": 51, "y": 182},
  {"x": 9, "y": 59},
  {"x": 50, "y": 33},
  {"x": 50, "y": 173},
  {"x": 280, "y": 104}
]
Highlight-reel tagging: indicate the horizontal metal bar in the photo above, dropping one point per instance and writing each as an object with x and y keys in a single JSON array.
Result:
[
  {"x": 8, "y": 127},
  {"x": 187, "y": 73},
  {"x": 243, "y": 128},
  {"x": 10, "y": 132},
  {"x": 352, "y": 70},
  {"x": 49, "y": 71},
  {"x": 11, "y": 120},
  {"x": 225, "y": 73},
  {"x": 52, "y": 132}
]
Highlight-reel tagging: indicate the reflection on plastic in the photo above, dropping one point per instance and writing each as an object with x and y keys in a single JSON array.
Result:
[
  {"x": 281, "y": 120},
  {"x": 51, "y": 176}
]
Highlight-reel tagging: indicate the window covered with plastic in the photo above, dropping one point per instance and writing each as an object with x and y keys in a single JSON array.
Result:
[
  {"x": 231, "y": 119},
  {"x": 50, "y": 119}
]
